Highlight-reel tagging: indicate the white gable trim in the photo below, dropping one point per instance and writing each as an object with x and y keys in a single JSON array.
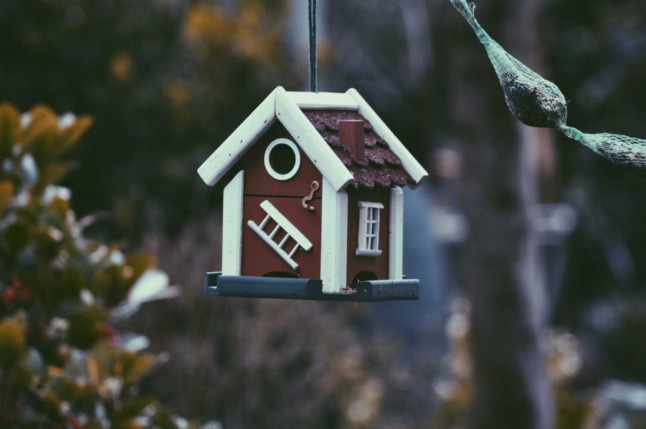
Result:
[
  {"x": 316, "y": 149},
  {"x": 323, "y": 100},
  {"x": 220, "y": 161},
  {"x": 410, "y": 164},
  {"x": 286, "y": 107}
]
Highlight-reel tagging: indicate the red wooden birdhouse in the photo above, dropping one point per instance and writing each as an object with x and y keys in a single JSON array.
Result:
[{"x": 313, "y": 205}]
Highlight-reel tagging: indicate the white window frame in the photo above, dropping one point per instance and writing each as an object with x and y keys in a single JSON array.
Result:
[{"x": 369, "y": 224}]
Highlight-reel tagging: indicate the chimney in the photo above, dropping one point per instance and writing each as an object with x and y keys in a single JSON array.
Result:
[{"x": 352, "y": 134}]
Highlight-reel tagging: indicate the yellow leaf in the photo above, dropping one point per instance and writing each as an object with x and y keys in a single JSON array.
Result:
[
  {"x": 93, "y": 370},
  {"x": 134, "y": 366},
  {"x": 140, "y": 262},
  {"x": 207, "y": 25},
  {"x": 9, "y": 129},
  {"x": 72, "y": 134},
  {"x": 12, "y": 342},
  {"x": 6, "y": 194},
  {"x": 40, "y": 132}
]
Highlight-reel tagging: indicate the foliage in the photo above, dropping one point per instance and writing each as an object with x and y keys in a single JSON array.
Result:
[
  {"x": 166, "y": 81},
  {"x": 277, "y": 363},
  {"x": 62, "y": 361}
]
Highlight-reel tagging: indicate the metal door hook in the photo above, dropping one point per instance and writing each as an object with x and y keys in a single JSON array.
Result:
[{"x": 306, "y": 200}]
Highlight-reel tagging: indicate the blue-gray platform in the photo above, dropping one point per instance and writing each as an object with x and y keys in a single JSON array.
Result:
[{"x": 310, "y": 289}]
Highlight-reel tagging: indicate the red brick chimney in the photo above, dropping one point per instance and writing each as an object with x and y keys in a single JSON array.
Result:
[{"x": 352, "y": 135}]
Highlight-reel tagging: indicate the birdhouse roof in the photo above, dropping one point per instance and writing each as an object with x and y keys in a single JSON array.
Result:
[{"x": 312, "y": 119}]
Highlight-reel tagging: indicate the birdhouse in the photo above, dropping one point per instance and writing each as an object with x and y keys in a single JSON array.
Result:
[{"x": 313, "y": 201}]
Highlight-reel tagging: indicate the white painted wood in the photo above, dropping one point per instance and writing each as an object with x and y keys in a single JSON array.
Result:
[
  {"x": 232, "y": 226},
  {"x": 323, "y": 100},
  {"x": 285, "y": 224},
  {"x": 293, "y": 250},
  {"x": 297, "y": 160},
  {"x": 396, "y": 249},
  {"x": 334, "y": 238},
  {"x": 290, "y": 230},
  {"x": 410, "y": 164},
  {"x": 287, "y": 258},
  {"x": 229, "y": 152},
  {"x": 362, "y": 204},
  {"x": 369, "y": 224},
  {"x": 310, "y": 141}
]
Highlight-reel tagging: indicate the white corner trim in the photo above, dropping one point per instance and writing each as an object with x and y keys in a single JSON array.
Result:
[
  {"x": 410, "y": 164},
  {"x": 229, "y": 152},
  {"x": 297, "y": 160},
  {"x": 334, "y": 238},
  {"x": 396, "y": 250},
  {"x": 232, "y": 226},
  {"x": 310, "y": 141},
  {"x": 323, "y": 100}
]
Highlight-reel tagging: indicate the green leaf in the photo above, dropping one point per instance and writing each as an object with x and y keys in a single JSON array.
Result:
[
  {"x": 87, "y": 327},
  {"x": 16, "y": 236},
  {"x": 51, "y": 174},
  {"x": 134, "y": 408}
]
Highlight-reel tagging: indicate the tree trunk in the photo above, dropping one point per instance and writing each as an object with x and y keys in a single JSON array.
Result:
[{"x": 499, "y": 187}]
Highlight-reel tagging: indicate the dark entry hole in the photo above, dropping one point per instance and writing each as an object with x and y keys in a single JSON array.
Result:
[
  {"x": 281, "y": 274},
  {"x": 361, "y": 277},
  {"x": 282, "y": 158}
]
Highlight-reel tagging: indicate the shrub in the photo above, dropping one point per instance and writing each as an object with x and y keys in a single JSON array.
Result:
[{"x": 63, "y": 363}]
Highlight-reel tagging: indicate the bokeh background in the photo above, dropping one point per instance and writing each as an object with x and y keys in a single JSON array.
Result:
[{"x": 530, "y": 248}]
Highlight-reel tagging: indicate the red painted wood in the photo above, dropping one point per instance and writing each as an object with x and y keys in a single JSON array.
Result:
[
  {"x": 259, "y": 259},
  {"x": 378, "y": 265},
  {"x": 258, "y": 182}
]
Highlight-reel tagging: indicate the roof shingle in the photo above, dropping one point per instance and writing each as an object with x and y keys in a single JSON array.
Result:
[{"x": 380, "y": 167}]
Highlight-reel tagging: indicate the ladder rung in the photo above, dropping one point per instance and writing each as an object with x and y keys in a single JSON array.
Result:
[
  {"x": 294, "y": 250},
  {"x": 283, "y": 241},
  {"x": 273, "y": 233},
  {"x": 285, "y": 224},
  {"x": 264, "y": 223},
  {"x": 273, "y": 245}
]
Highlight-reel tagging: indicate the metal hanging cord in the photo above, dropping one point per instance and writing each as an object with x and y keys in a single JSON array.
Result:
[{"x": 312, "y": 24}]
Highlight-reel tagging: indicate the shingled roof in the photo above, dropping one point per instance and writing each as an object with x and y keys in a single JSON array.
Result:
[
  {"x": 380, "y": 167},
  {"x": 312, "y": 119}
]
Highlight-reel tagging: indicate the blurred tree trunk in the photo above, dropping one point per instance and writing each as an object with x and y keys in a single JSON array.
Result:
[{"x": 499, "y": 187}]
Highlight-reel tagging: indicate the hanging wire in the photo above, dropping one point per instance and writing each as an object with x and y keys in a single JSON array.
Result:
[{"x": 312, "y": 23}]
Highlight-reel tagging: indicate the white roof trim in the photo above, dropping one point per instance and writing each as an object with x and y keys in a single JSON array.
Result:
[
  {"x": 410, "y": 164},
  {"x": 309, "y": 139},
  {"x": 286, "y": 107},
  {"x": 323, "y": 100},
  {"x": 229, "y": 152}
]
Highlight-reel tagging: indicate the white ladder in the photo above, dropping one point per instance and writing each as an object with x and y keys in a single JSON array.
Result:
[{"x": 281, "y": 223}]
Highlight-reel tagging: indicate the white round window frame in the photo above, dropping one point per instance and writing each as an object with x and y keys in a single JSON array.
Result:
[{"x": 297, "y": 160}]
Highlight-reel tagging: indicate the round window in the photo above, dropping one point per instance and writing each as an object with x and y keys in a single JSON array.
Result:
[{"x": 282, "y": 159}]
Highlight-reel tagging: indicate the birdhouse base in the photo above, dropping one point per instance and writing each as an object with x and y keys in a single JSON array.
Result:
[{"x": 309, "y": 289}]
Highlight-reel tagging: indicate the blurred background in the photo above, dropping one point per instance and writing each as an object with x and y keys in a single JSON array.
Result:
[{"x": 531, "y": 249}]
